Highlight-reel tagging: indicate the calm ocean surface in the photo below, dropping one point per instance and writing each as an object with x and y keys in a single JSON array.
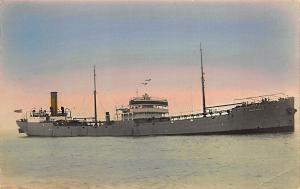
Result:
[{"x": 220, "y": 161}]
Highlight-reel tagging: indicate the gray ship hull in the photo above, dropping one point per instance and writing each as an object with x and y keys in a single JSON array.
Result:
[{"x": 269, "y": 116}]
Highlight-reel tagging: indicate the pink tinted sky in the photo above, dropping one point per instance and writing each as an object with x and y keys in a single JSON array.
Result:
[{"x": 181, "y": 86}]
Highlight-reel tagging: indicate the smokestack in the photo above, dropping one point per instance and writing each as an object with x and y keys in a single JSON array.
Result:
[{"x": 53, "y": 107}]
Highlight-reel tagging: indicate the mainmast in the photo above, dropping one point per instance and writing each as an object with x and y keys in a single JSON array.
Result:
[
  {"x": 202, "y": 81},
  {"x": 95, "y": 97}
]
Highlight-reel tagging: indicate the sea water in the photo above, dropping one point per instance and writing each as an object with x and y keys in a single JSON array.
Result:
[{"x": 216, "y": 161}]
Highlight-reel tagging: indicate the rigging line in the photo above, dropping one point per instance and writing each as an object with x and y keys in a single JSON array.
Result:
[
  {"x": 191, "y": 99},
  {"x": 116, "y": 102},
  {"x": 84, "y": 105}
]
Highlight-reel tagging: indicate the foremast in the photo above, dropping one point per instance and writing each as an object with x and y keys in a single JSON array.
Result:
[
  {"x": 95, "y": 97},
  {"x": 203, "y": 86}
]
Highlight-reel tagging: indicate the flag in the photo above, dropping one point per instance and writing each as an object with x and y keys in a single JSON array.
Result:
[{"x": 18, "y": 111}]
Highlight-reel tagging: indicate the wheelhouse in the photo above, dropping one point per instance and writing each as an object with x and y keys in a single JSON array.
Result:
[{"x": 144, "y": 107}]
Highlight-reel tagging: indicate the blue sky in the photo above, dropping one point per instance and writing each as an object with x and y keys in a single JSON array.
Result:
[{"x": 41, "y": 38}]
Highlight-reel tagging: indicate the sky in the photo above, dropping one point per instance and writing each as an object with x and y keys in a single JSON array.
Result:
[{"x": 249, "y": 49}]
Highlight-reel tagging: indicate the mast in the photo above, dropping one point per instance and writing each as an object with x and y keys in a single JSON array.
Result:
[
  {"x": 95, "y": 97},
  {"x": 202, "y": 82}
]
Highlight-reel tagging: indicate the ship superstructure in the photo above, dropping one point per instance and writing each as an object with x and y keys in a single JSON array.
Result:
[{"x": 144, "y": 107}]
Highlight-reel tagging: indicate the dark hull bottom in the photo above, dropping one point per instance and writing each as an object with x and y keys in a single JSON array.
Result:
[
  {"x": 285, "y": 129},
  {"x": 249, "y": 131}
]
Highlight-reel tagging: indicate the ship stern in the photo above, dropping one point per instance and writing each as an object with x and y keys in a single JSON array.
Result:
[{"x": 23, "y": 126}]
